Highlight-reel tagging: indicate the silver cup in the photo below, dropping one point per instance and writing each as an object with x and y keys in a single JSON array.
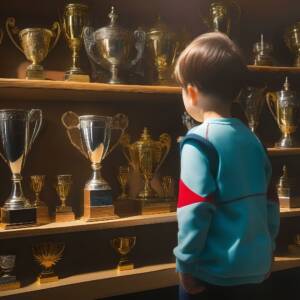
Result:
[{"x": 7, "y": 264}]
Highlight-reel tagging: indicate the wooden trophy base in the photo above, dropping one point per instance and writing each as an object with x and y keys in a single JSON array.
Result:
[
  {"x": 9, "y": 283},
  {"x": 155, "y": 206},
  {"x": 42, "y": 215},
  {"x": 47, "y": 278},
  {"x": 64, "y": 214},
  {"x": 77, "y": 77},
  {"x": 15, "y": 218},
  {"x": 125, "y": 266},
  {"x": 289, "y": 202},
  {"x": 125, "y": 207}
]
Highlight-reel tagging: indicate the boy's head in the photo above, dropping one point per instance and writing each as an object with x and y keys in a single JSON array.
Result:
[{"x": 211, "y": 71}]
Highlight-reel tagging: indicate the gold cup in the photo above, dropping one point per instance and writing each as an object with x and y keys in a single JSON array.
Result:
[
  {"x": 123, "y": 245},
  {"x": 63, "y": 188},
  {"x": 47, "y": 255},
  {"x": 37, "y": 184},
  {"x": 168, "y": 187},
  {"x": 263, "y": 53},
  {"x": 35, "y": 44},
  {"x": 123, "y": 180},
  {"x": 292, "y": 40},
  {"x": 75, "y": 18}
]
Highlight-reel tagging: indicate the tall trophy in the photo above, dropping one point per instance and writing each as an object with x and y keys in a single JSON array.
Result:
[
  {"x": 163, "y": 46},
  {"x": 75, "y": 18},
  {"x": 292, "y": 40},
  {"x": 16, "y": 140},
  {"x": 251, "y": 100},
  {"x": 111, "y": 47},
  {"x": 7, "y": 280},
  {"x": 285, "y": 108},
  {"x": 263, "y": 53},
  {"x": 91, "y": 135},
  {"x": 35, "y": 43}
]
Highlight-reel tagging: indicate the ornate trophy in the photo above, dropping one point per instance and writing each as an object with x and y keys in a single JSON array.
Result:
[
  {"x": 221, "y": 14},
  {"x": 123, "y": 245},
  {"x": 47, "y": 255},
  {"x": 251, "y": 100},
  {"x": 292, "y": 40},
  {"x": 74, "y": 20},
  {"x": 111, "y": 47},
  {"x": 123, "y": 180},
  {"x": 16, "y": 140},
  {"x": 91, "y": 135},
  {"x": 263, "y": 53},
  {"x": 8, "y": 281},
  {"x": 284, "y": 107},
  {"x": 35, "y": 44},
  {"x": 42, "y": 212},
  {"x": 163, "y": 46}
]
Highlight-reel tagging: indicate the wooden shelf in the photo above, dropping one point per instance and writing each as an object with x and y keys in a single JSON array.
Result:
[
  {"x": 274, "y": 69},
  {"x": 283, "y": 152}
]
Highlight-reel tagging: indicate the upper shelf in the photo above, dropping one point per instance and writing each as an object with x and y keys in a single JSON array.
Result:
[{"x": 274, "y": 69}]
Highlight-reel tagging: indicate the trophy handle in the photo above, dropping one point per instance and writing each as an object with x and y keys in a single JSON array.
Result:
[
  {"x": 165, "y": 142},
  {"x": 12, "y": 30},
  {"x": 271, "y": 102},
  {"x": 140, "y": 40},
  {"x": 177, "y": 47},
  {"x": 35, "y": 115},
  {"x": 56, "y": 31},
  {"x": 1, "y": 35}
]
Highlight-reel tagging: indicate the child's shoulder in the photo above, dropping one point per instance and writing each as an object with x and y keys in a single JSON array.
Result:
[{"x": 199, "y": 129}]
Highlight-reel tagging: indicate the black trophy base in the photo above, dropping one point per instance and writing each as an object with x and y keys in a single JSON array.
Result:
[
  {"x": 11, "y": 218},
  {"x": 9, "y": 283},
  {"x": 154, "y": 206}
]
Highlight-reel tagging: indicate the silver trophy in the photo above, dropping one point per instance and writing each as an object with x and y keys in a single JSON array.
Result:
[
  {"x": 91, "y": 135},
  {"x": 7, "y": 280},
  {"x": 18, "y": 130},
  {"x": 111, "y": 47}
]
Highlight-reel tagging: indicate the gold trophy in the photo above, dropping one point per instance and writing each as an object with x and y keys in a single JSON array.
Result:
[
  {"x": 284, "y": 107},
  {"x": 47, "y": 255},
  {"x": 123, "y": 180},
  {"x": 74, "y": 20},
  {"x": 123, "y": 245},
  {"x": 292, "y": 40},
  {"x": 35, "y": 44},
  {"x": 42, "y": 212},
  {"x": 263, "y": 52},
  {"x": 64, "y": 212}
]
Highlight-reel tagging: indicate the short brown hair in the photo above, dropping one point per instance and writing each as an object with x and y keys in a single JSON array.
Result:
[{"x": 214, "y": 64}]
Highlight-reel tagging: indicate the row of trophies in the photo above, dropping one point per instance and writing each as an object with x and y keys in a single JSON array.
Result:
[
  {"x": 48, "y": 254},
  {"x": 111, "y": 48}
]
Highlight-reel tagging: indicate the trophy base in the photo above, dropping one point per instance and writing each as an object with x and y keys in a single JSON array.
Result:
[
  {"x": 64, "y": 214},
  {"x": 47, "y": 278},
  {"x": 9, "y": 283},
  {"x": 125, "y": 266},
  {"x": 289, "y": 202},
  {"x": 125, "y": 207},
  {"x": 77, "y": 77},
  {"x": 287, "y": 142},
  {"x": 155, "y": 206},
  {"x": 42, "y": 215},
  {"x": 32, "y": 74},
  {"x": 18, "y": 217}
]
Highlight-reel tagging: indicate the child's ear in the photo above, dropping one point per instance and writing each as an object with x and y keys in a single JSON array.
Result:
[{"x": 193, "y": 94}]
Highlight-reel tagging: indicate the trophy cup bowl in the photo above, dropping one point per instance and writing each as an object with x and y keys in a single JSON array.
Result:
[
  {"x": 123, "y": 246},
  {"x": 35, "y": 44},
  {"x": 47, "y": 255},
  {"x": 123, "y": 180},
  {"x": 37, "y": 184},
  {"x": 292, "y": 40},
  {"x": 75, "y": 18},
  {"x": 16, "y": 139}
]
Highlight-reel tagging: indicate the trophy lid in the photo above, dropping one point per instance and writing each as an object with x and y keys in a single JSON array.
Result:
[{"x": 159, "y": 29}]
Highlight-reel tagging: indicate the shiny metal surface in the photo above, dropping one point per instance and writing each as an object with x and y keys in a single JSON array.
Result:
[{"x": 292, "y": 40}]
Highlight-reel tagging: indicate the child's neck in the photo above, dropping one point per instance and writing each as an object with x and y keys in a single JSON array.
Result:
[{"x": 216, "y": 114}]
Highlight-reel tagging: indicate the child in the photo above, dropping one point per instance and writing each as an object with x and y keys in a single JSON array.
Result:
[{"x": 227, "y": 218}]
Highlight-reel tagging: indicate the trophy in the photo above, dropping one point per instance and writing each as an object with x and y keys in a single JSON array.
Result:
[
  {"x": 91, "y": 135},
  {"x": 163, "y": 48},
  {"x": 284, "y": 107},
  {"x": 111, "y": 47},
  {"x": 35, "y": 44},
  {"x": 221, "y": 14},
  {"x": 123, "y": 245},
  {"x": 16, "y": 140},
  {"x": 74, "y": 20},
  {"x": 168, "y": 187},
  {"x": 263, "y": 53},
  {"x": 123, "y": 180},
  {"x": 42, "y": 212},
  {"x": 47, "y": 255},
  {"x": 292, "y": 40},
  {"x": 251, "y": 100},
  {"x": 64, "y": 212},
  {"x": 8, "y": 281}
]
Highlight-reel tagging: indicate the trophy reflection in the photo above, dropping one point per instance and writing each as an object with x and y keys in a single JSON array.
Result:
[
  {"x": 123, "y": 246},
  {"x": 7, "y": 280},
  {"x": 123, "y": 180},
  {"x": 292, "y": 40},
  {"x": 48, "y": 255},
  {"x": 35, "y": 44}
]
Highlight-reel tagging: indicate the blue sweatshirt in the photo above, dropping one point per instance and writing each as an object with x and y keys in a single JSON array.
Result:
[{"x": 228, "y": 221}]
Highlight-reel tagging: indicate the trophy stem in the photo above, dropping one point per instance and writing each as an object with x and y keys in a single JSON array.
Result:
[
  {"x": 148, "y": 192},
  {"x": 114, "y": 75},
  {"x": 97, "y": 182},
  {"x": 287, "y": 141},
  {"x": 35, "y": 71},
  {"x": 37, "y": 199}
]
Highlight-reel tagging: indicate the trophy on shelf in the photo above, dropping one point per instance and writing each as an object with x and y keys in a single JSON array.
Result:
[
  {"x": 16, "y": 140},
  {"x": 163, "y": 47},
  {"x": 292, "y": 40},
  {"x": 123, "y": 246},
  {"x": 263, "y": 53},
  {"x": 251, "y": 99},
  {"x": 75, "y": 18},
  {"x": 64, "y": 213},
  {"x": 42, "y": 213},
  {"x": 123, "y": 180},
  {"x": 285, "y": 108},
  {"x": 7, "y": 280},
  {"x": 47, "y": 255},
  {"x": 168, "y": 187},
  {"x": 35, "y": 44},
  {"x": 111, "y": 47},
  {"x": 91, "y": 135}
]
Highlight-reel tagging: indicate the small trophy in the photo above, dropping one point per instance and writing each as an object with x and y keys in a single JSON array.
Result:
[
  {"x": 263, "y": 53},
  {"x": 42, "y": 212},
  {"x": 74, "y": 20},
  {"x": 8, "y": 281},
  {"x": 91, "y": 135},
  {"x": 64, "y": 212},
  {"x": 123, "y": 180},
  {"x": 123, "y": 245},
  {"x": 168, "y": 187},
  {"x": 285, "y": 108},
  {"x": 292, "y": 40},
  {"x": 47, "y": 255},
  {"x": 35, "y": 44}
]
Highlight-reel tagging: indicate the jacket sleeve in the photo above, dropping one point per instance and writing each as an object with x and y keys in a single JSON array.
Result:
[{"x": 195, "y": 206}]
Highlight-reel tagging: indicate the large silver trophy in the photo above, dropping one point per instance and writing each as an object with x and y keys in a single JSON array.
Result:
[
  {"x": 91, "y": 135},
  {"x": 112, "y": 46},
  {"x": 18, "y": 130}
]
